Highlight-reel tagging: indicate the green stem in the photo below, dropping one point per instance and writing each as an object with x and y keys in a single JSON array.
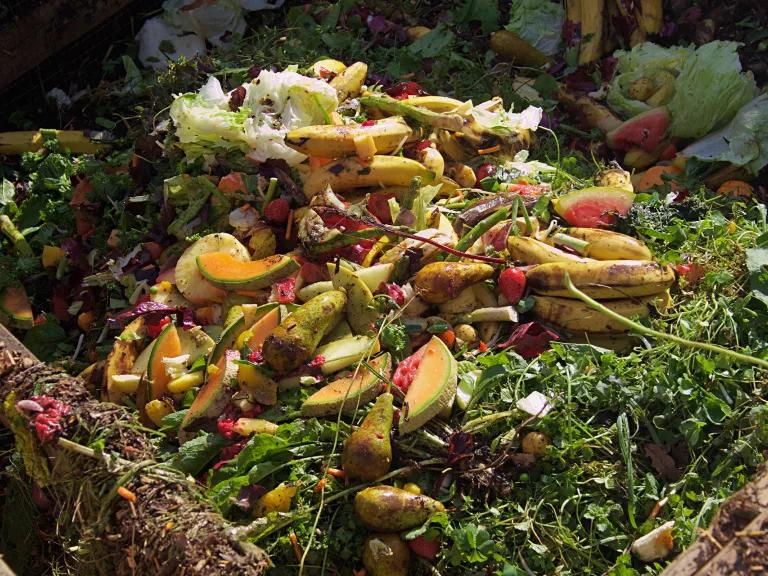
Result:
[
  {"x": 20, "y": 243},
  {"x": 575, "y": 243},
  {"x": 270, "y": 193},
  {"x": 488, "y": 418},
  {"x": 479, "y": 229},
  {"x": 632, "y": 325}
]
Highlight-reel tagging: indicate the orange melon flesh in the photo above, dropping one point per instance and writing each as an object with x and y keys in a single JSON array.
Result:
[
  {"x": 224, "y": 271},
  {"x": 167, "y": 345},
  {"x": 348, "y": 393},
  {"x": 262, "y": 328},
  {"x": 14, "y": 302},
  {"x": 212, "y": 397},
  {"x": 433, "y": 387}
]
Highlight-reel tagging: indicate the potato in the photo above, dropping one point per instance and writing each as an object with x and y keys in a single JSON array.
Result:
[{"x": 535, "y": 443}]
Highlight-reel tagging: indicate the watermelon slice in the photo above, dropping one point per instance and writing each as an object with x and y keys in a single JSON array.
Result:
[
  {"x": 596, "y": 207},
  {"x": 645, "y": 131}
]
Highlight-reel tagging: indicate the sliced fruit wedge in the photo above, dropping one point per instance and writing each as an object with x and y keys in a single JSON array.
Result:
[
  {"x": 433, "y": 387},
  {"x": 224, "y": 270},
  {"x": 349, "y": 392}
]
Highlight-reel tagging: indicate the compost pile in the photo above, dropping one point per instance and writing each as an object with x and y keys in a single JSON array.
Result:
[{"x": 457, "y": 300}]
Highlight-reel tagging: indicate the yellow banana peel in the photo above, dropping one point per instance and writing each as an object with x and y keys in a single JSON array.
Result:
[{"x": 603, "y": 279}]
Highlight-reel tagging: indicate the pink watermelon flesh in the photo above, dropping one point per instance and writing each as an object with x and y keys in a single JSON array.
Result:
[
  {"x": 596, "y": 208},
  {"x": 645, "y": 130}
]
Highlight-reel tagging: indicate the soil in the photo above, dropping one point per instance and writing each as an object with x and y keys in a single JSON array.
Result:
[{"x": 159, "y": 524}]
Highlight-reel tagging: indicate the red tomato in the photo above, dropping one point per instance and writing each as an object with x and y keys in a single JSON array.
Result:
[
  {"x": 425, "y": 548},
  {"x": 403, "y": 90}
]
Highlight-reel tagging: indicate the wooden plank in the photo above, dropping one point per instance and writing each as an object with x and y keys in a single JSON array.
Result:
[
  {"x": 41, "y": 32},
  {"x": 736, "y": 542},
  {"x": 13, "y": 343}
]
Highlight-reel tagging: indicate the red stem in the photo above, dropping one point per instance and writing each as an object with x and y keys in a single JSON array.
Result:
[{"x": 396, "y": 232}]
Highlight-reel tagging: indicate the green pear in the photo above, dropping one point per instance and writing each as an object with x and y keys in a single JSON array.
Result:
[
  {"x": 386, "y": 555},
  {"x": 389, "y": 509},
  {"x": 367, "y": 453},
  {"x": 295, "y": 340}
]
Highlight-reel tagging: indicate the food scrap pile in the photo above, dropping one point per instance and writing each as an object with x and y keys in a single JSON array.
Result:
[{"x": 400, "y": 327}]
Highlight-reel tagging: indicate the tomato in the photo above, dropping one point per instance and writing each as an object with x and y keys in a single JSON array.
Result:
[{"x": 403, "y": 90}]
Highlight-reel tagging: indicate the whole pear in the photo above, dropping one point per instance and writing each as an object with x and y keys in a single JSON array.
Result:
[
  {"x": 389, "y": 509},
  {"x": 367, "y": 453},
  {"x": 386, "y": 555}
]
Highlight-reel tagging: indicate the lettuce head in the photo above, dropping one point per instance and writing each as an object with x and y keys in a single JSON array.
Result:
[
  {"x": 710, "y": 90},
  {"x": 275, "y": 102}
]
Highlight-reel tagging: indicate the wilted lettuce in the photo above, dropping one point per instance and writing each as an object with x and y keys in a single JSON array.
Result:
[
  {"x": 744, "y": 141},
  {"x": 538, "y": 22},
  {"x": 709, "y": 91},
  {"x": 646, "y": 60},
  {"x": 274, "y": 103}
]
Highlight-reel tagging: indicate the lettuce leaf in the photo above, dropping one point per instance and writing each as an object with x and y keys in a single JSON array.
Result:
[
  {"x": 539, "y": 23},
  {"x": 710, "y": 90},
  {"x": 743, "y": 142},
  {"x": 645, "y": 60},
  {"x": 274, "y": 103}
]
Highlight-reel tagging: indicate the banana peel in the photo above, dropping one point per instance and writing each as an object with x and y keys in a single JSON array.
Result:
[{"x": 76, "y": 141}]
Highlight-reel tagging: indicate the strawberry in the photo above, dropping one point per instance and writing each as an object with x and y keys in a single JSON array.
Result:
[
  {"x": 277, "y": 211},
  {"x": 424, "y": 547},
  {"x": 512, "y": 284},
  {"x": 484, "y": 171}
]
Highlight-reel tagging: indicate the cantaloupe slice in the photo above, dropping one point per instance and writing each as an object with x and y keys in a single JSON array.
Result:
[
  {"x": 254, "y": 336},
  {"x": 212, "y": 398},
  {"x": 349, "y": 392},
  {"x": 225, "y": 271},
  {"x": 433, "y": 387},
  {"x": 248, "y": 317},
  {"x": 166, "y": 345},
  {"x": 15, "y": 309},
  {"x": 190, "y": 281}
]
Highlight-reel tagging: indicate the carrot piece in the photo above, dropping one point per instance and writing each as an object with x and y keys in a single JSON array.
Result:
[
  {"x": 296, "y": 548},
  {"x": 320, "y": 486},
  {"x": 336, "y": 473},
  {"x": 449, "y": 337},
  {"x": 126, "y": 494}
]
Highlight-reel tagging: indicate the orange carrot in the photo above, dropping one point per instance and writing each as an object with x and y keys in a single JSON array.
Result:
[
  {"x": 449, "y": 337},
  {"x": 336, "y": 473},
  {"x": 320, "y": 486},
  {"x": 126, "y": 494},
  {"x": 296, "y": 548}
]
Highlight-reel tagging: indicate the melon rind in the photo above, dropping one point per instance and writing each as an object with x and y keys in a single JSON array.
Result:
[
  {"x": 347, "y": 398},
  {"x": 614, "y": 201},
  {"x": 190, "y": 282},
  {"x": 442, "y": 386},
  {"x": 213, "y": 397},
  {"x": 645, "y": 131},
  {"x": 265, "y": 271}
]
